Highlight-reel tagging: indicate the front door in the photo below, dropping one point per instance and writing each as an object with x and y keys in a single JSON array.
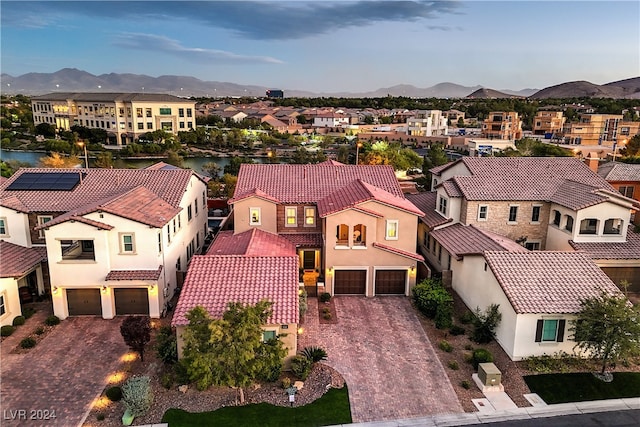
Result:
[{"x": 309, "y": 260}]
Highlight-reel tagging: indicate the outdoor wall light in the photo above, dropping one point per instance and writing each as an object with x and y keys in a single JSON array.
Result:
[
  {"x": 104, "y": 289},
  {"x": 55, "y": 290}
]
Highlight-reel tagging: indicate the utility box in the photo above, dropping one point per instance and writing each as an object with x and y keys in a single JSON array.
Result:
[{"x": 489, "y": 374}]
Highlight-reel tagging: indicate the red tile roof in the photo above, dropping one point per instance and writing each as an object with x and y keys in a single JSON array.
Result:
[
  {"x": 397, "y": 251},
  {"x": 357, "y": 192},
  {"x": 426, "y": 202},
  {"x": 576, "y": 195},
  {"x": 213, "y": 281},
  {"x": 521, "y": 178},
  {"x": 254, "y": 242},
  {"x": 96, "y": 186},
  {"x": 16, "y": 260},
  {"x": 548, "y": 281},
  {"x": 300, "y": 184},
  {"x": 460, "y": 240},
  {"x": 151, "y": 275},
  {"x": 305, "y": 240},
  {"x": 614, "y": 250}
]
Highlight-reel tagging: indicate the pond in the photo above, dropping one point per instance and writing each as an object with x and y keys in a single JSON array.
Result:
[{"x": 195, "y": 163}]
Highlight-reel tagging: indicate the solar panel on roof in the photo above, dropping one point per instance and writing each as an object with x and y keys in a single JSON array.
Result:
[{"x": 42, "y": 181}]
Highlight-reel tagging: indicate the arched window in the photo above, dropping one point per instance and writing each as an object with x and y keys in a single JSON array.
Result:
[
  {"x": 360, "y": 235},
  {"x": 342, "y": 235},
  {"x": 613, "y": 226},
  {"x": 589, "y": 226}
]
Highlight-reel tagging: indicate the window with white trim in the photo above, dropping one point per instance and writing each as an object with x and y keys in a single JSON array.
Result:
[
  {"x": 613, "y": 226},
  {"x": 43, "y": 219},
  {"x": 342, "y": 235},
  {"x": 159, "y": 242},
  {"x": 391, "y": 229},
  {"x": 535, "y": 213},
  {"x": 291, "y": 216},
  {"x": 3, "y": 227},
  {"x": 254, "y": 216},
  {"x": 3, "y": 307},
  {"x": 589, "y": 226},
  {"x": 483, "y": 211},
  {"x": 556, "y": 218},
  {"x": 513, "y": 213},
  {"x": 195, "y": 203},
  {"x": 127, "y": 243},
  {"x": 442, "y": 205},
  {"x": 568, "y": 225},
  {"x": 626, "y": 190},
  {"x": 550, "y": 330},
  {"x": 309, "y": 216},
  {"x": 189, "y": 213},
  {"x": 269, "y": 335}
]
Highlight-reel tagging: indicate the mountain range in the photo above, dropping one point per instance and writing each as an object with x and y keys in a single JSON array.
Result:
[{"x": 74, "y": 80}]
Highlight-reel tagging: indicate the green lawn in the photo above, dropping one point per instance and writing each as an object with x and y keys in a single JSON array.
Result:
[
  {"x": 563, "y": 388},
  {"x": 332, "y": 408}
]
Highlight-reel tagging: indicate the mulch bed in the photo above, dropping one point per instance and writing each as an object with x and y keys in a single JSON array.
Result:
[{"x": 327, "y": 313}]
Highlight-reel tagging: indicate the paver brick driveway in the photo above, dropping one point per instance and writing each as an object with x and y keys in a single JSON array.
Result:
[
  {"x": 387, "y": 360},
  {"x": 65, "y": 372}
]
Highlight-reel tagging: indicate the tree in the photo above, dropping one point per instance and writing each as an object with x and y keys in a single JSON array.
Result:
[
  {"x": 55, "y": 160},
  {"x": 104, "y": 160},
  {"x": 136, "y": 332},
  {"x": 175, "y": 159},
  {"x": 607, "y": 327},
  {"x": 633, "y": 146},
  {"x": 212, "y": 168},
  {"x": 45, "y": 129},
  {"x": 230, "y": 351},
  {"x": 485, "y": 324}
]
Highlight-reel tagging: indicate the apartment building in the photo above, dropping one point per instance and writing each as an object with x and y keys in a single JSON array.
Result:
[
  {"x": 116, "y": 241},
  {"x": 124, "y": 116},
  {"x": 535, "y": 235},
  {"x": 502, "y": 125},
  {"x": 548, "y": 123},
  {"x": 600, "y": 129},
  {"x": 427, "y": 123}
]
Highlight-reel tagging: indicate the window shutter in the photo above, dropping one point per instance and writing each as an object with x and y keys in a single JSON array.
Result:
[
  {"x": 561, "y": 324},
  {"x": 539, "y": 330}
]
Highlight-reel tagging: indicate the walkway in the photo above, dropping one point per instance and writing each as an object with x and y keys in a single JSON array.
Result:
[
  {"x": 64, "y": 373},
  {"x": 381, "y": 350}
]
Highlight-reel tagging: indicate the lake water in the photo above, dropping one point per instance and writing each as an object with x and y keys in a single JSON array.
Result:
[{"x": 195, "y": 163}]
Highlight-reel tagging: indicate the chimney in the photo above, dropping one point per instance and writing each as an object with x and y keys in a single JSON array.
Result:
[{"x": 592, "y": 161}]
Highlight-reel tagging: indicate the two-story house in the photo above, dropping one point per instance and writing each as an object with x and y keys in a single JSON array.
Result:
[
  {"x": 502, "y": 125},
  {"x": 116, "y": 239},
  {"x": 505, "y": 230},
  {"x": 427, "y": 123}
]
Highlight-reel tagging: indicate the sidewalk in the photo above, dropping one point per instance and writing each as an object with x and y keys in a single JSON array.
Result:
[{"x": 532, "y": 412}]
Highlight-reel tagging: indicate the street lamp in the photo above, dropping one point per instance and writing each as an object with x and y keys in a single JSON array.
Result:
[
  {"x": 616, "y": 146},
  {"x": 83, "y": 145},
  {"x": 358, "y": 145}
]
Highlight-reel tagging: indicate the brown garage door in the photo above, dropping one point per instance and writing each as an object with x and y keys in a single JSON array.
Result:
[
  {"x": 131, "y": 301},
  {"x": 84, "y": 302},
  {"x": 390, "y": 282},
  {"x": 350, "y": 282}
]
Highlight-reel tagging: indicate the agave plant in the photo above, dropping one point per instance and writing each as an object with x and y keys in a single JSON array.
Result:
[{"x": 315, "y": 354}]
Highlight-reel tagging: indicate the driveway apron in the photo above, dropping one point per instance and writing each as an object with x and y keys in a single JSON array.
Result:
[
  {"x": 62, "y": 375},
  {"x": 388, "y": 362}
]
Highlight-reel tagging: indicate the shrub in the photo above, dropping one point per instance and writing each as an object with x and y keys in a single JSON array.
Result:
[
  {"x": 326, "y": 316},
  {"x": 137, "y": 395},
  {"x": 28, "y": 342},
  {"x": 467, "y": 317},
  {"x": 286, "y": 382},
  {"x": 52, "y": 320},
  {"x": 301, "y": 366},
  {"x": 7, "y": 330},
  {"x": 167, "y": 345},
  {"x": 271, "y": 353},
  {"x": 315, "y": 354},
  {"x": 302, "y": 302},
  {"x": 166, "y": 380},
  {"x": 445, "y": 346},
  {"x": 468, "y": 347},
  {"x": 434, "y": 301},
  {"x": 39, "y": 330},
  {"x": 181, "y": 373},
  {"x": 27, "y": 312},
  {"x": 453, "y": 364},
  {"x": 485, "y": 324},
  {"x": 18, "y": 321},
  {"x": 468, "y": 357},
  {"x": 481, "y": 355},
  {"x": 465, "y": 384},
  {"x": 114, "y": 394},
  {"x": 456, "y": 330},
  {"x": 326, "y": 310},
  {"x": 325, "y": 297}
]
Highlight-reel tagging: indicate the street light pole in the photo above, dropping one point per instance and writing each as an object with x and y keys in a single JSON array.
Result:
[
  {"x": 358, "y": 145},
  {"x": 86, "y": 159},
  {"x": 616, "y": 146}
]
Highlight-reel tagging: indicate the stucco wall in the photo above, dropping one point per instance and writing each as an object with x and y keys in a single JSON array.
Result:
[
  {"x": 525, "y": 344},
  {"x": 17, "y": 225},
  {"x": 268, "y": 220},
  {"x": 9, "y": 290},
  {"x": 603, "y": 211}
]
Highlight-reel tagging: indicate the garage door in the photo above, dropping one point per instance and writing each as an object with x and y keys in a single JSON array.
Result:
[
  {"x": 84, "y": 302},
  {"x": 390, "y": 282},
  {"x": 131, "y": 301},
  {"x": 350, "y": 282}
]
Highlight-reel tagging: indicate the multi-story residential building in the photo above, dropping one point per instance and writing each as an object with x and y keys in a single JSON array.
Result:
[
  {"x": 330, "y": 119},
  {"x": 506, "y": 230},
  {"x": 548, "y": 123},
  {"x": 427, "y": 123},
  {"x": 625, "y": 178},
  {"x": 454, "y": 116},
  {"x": 600, "y": 129},
  {"x": 124, "y": 116},
  {"x": 117, "y": 241},
  {"x": 502, "y": 125}
]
